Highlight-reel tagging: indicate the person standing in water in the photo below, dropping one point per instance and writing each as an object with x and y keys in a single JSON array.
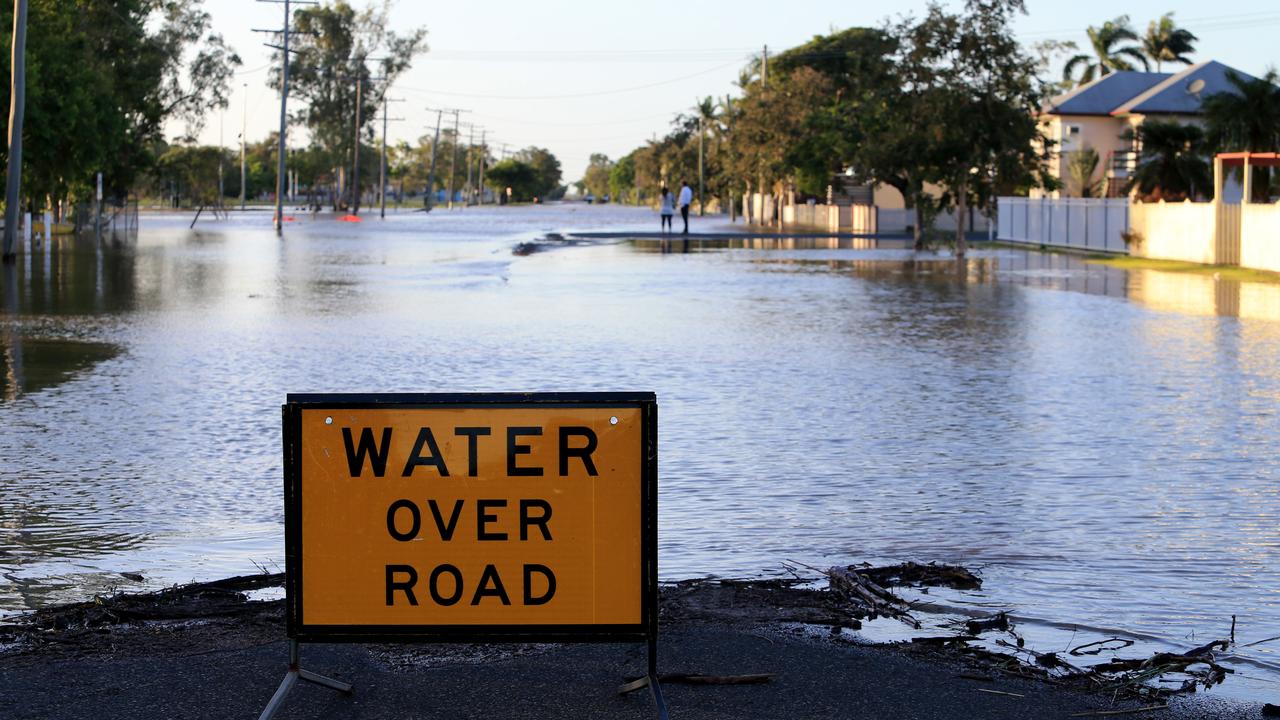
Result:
[
  {"x": 686, "y": 199},
  {"x": 667, "y": 208}
]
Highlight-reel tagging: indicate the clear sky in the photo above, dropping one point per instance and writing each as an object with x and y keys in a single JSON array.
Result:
[{"x": 583, "y": 77}]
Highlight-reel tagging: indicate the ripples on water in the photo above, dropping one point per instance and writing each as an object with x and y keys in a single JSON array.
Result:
[{"x": 1101, "y": 442}]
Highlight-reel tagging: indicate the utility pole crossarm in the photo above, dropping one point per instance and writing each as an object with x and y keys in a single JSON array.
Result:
[
  {"x": 453, "y": 162},
  {"x": 284, "y": 104},
  {"x": 431, "y": 175},
  {"x": 382, "y": 168},
  {"x": 359, "y": 125}
]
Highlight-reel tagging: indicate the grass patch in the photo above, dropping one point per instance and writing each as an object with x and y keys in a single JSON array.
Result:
[
  {"x": 1222, "y": 272},
  {"x": 1046, "y": 249}
]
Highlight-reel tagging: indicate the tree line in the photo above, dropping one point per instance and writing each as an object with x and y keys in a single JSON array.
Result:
[
  {"x": 347, "y": 59},
  {"x": 946, "y": 100},
  {"x": 103, "y": 78},
  {"x": 943, "y": 107}
]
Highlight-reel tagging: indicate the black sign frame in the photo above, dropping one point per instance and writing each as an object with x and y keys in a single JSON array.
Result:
[{"x": 644, "y": 631}]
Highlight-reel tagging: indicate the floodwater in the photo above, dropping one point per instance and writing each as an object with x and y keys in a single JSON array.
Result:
[{"x": 1101, "y": 443}]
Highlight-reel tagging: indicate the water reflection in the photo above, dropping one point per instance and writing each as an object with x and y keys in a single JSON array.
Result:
[
  {"x": 679, "y": 243},
  {"x": 1181, "y": 292},
  {"x": 34, "y": 364},
  {"x": 54, "y": 283},
  {"x": 76, "y": 275}
]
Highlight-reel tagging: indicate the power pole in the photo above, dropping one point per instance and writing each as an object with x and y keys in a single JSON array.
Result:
[
  {"x": 471, "y": 146},
  {"x": 355, "y": 169},
  {"x": 244, "y": 116},
  {"x": 764, "y": 67},
  {"x": 284, "y": 103},
  {"x": 382, "y": 170},
  {"x": 431, "y": 175},
  {"x": 453, "y": 162},
  {"x": 222, "y": 150},
  {"x": 355, "y": 164},
  {"x": 17, "y": 112},
  {"x": 484, "y": 152}
]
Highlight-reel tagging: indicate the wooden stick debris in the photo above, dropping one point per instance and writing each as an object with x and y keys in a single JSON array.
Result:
[
  {"x": 999, "y": 692},
  {"x": 697, "y": 679},
  {"x": 1095, "y": 648},
  {"x": 1131, "y": 711},
  {"x": 999, "y": 621},
  {"x": 860, "y": 590}
]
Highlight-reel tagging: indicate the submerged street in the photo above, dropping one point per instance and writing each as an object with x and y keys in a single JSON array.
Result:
[{"x": 1098, "y": 442}]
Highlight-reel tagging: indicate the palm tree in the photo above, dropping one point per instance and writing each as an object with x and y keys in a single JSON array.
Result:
[
  {"x": 707, "y": 114},
  {"x": 1246, "y": 119},
  {"x": 1166, "y": 42},
  {"x": 1081, "y": 168},
  {"x": 1171, "y": 162},
  {"x": 1107, "y": 58}
]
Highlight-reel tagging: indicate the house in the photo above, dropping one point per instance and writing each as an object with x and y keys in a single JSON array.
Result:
[{"x": 1097, "y": 115}]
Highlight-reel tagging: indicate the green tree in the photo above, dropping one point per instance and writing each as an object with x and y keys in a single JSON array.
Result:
[
  {"x": 547, "y": 167},
  {"x": 409, "y": 165},
  {"x": 774, "y": 132},
  {"x": 334, "y": 45},
  {"x": 973, "y": 67},
  {"x": 1171, "y": 164},
  {"x": 1246, "y": 118},
  {"x": 1047, "y": 53},
  {"x": 261, "y": 166},
  {"x": 103, "y": 78},
  {"x": 622, "y": 179},
  {"x": 596, "y": 178},
  {"x": 191, "y": 172},
  {"x": 315, "y": 175},
  {"x": 520, "y": 176},
  {"x": 648, "y": 175},
  {"x": 1166, "y": 42},
  {"x": 853, "y": 113},
  {"x": 1108, "y": 53}
]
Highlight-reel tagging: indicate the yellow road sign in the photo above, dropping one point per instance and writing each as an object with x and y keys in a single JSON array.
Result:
[{"x": 471, "y": 517}]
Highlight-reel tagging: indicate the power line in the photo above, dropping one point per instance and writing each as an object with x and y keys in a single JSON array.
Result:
[
  {"x": 573, "y": 95},
  {"x": 585, "y": 56},
  {"x": 1211, "y": 22},
  {"x": 526, "y": 121},
  {"x": 258, "y": 69}
]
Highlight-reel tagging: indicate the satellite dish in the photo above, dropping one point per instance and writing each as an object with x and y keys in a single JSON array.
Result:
[{"x": 1195, "y": 86}]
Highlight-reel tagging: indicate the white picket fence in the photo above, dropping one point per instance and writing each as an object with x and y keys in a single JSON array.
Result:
[{"x": 1082, "y": 223}]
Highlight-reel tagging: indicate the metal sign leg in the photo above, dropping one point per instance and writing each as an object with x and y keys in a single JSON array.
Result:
[
  {"x": 655, "y": 688},
  {"x": 295, "y": 674}
]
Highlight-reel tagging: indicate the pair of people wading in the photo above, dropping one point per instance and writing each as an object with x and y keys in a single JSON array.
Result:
[{"x": 668, "y": 204}]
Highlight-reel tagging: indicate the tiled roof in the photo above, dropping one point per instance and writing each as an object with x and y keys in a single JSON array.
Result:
[
  {"x": 1146, "y": 93},
  {"x": 1102, "y": 96},
  {"x": 1182, "y": 93}
]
